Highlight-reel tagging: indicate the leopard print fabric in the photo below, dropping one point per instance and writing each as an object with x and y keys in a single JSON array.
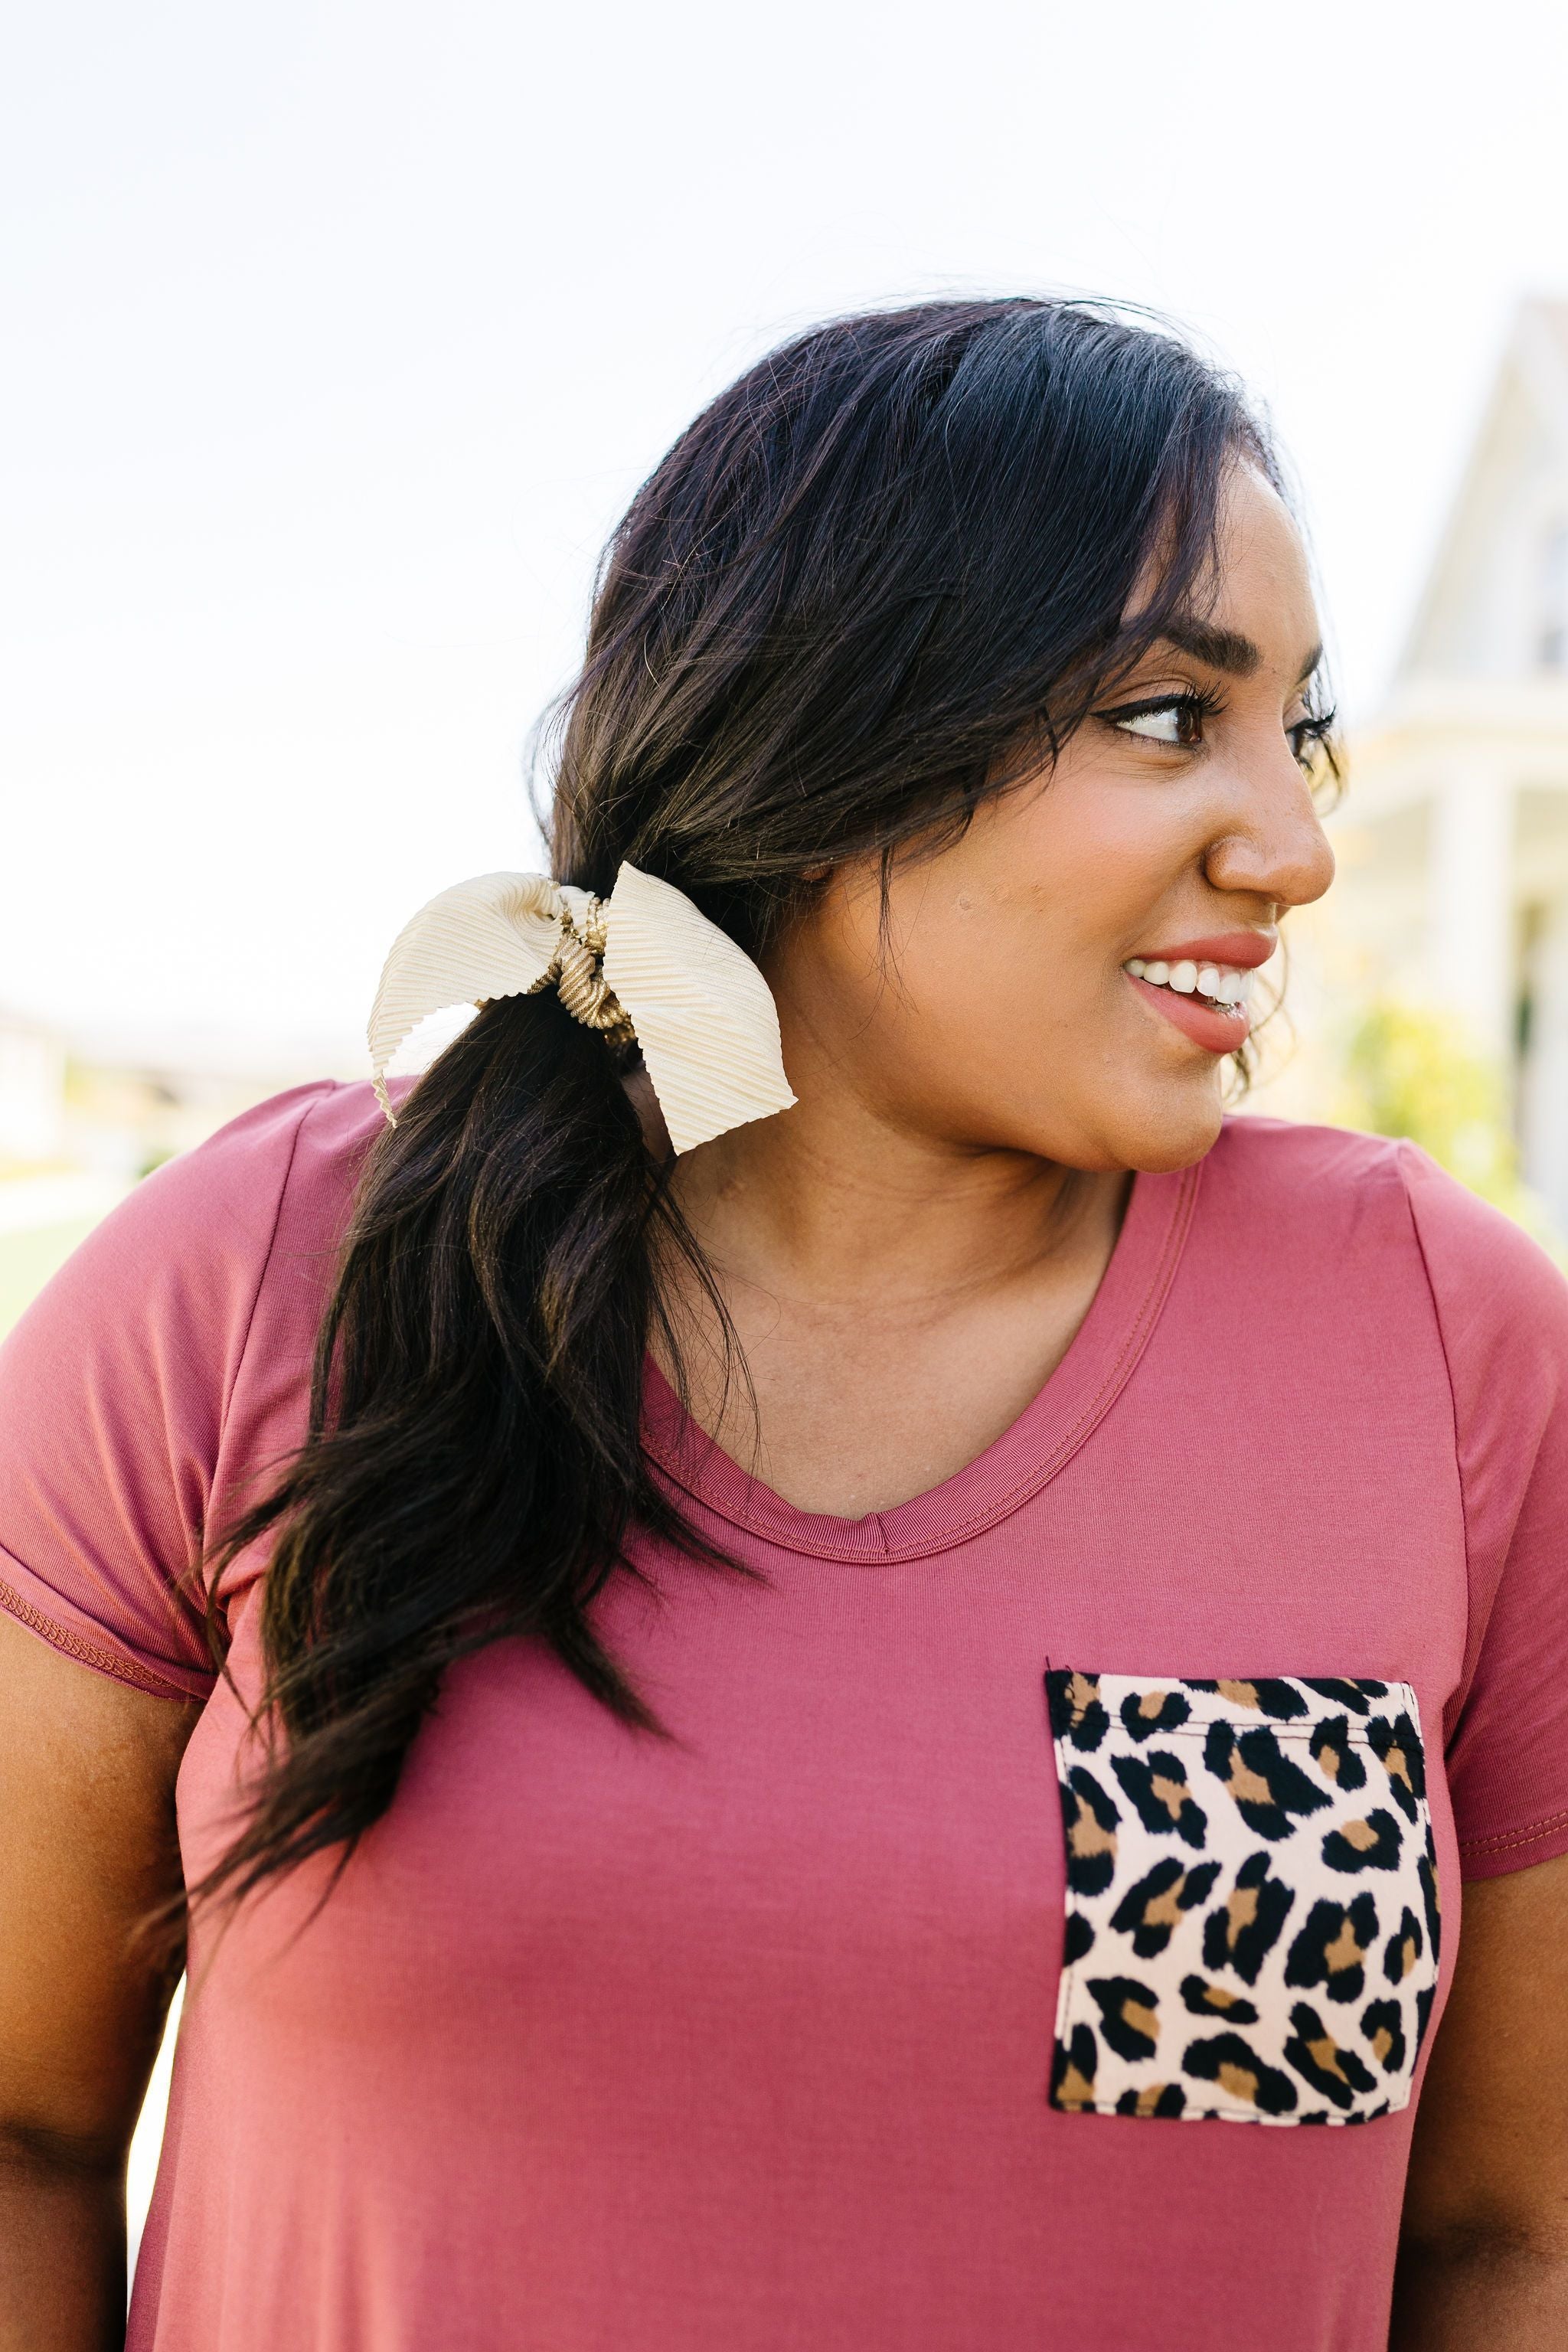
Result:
[{"x": 1252, "y": 1901}]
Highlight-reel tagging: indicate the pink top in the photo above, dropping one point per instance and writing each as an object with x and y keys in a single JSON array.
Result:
[{"x": 865, "y": 2012}]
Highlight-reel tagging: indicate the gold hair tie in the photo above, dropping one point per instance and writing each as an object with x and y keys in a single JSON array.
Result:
[{"x": 578, "y": 973}]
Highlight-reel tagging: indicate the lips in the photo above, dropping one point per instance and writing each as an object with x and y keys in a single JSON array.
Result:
[
  {"x": 1245, "y": 950},
  {"x": 1219, "y": 1029}
]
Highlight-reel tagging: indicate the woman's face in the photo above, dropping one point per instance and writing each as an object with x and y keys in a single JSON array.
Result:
[{"x": 1061, "y": 981}]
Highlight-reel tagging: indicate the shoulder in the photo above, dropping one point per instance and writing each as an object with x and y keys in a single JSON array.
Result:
[
  {"x": 1326, "y": 1169},
  {"x": 1334, "y": 1176},
  {"x": 1373, "y": 1212},
  {"x": 298, "y": 1153},
  {"x": 1305, "y": 1202},
  {"x": 312, "y": 1136},
  {"x": 119, "y": 1385},
  {"x": 182, "y": 1259}
]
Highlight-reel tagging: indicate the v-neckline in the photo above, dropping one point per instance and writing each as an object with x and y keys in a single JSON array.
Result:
[{"x": 1016, "y": 1465}]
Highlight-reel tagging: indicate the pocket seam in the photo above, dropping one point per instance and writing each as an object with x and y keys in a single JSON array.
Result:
[{"x": 1283, "y": 1728}]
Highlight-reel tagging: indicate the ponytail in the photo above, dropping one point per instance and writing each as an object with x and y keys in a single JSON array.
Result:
[{"x": 473, "y": 1462}]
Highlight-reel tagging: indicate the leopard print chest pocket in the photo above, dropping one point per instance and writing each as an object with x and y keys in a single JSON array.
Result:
[{"x": 1252, "y": 1903}]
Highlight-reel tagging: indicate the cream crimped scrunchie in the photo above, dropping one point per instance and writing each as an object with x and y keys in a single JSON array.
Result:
[{"x": 642, "y": 964}]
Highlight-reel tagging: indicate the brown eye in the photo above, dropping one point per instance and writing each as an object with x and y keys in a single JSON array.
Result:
[{"x": 1179, "y": 722}]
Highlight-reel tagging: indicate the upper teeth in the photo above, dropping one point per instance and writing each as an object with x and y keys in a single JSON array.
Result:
[{"x": 1225, "y": 982}]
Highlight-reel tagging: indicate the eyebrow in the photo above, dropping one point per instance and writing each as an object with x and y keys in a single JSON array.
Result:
[{"x": 1225, "y": 649}]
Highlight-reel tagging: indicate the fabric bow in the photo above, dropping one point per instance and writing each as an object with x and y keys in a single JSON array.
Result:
[{"x": 700, "y": 1009}]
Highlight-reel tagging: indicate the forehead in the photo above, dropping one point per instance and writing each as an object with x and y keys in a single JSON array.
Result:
[{"x": 1263, "y": 585}]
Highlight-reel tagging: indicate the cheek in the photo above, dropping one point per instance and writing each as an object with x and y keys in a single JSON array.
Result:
[
  {"x": 995, "y": 1003},
  {"x": 1109, "y": 829},
  {"x": 958, "y": 986},
  {"x": 1006, "y": 950},
  {"x": 1034, "y": 910},
  {"x": 1112, "y": 851}
]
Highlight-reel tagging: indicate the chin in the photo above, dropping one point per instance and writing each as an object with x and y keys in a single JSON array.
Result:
[{"x": 1159, "y": 1135}]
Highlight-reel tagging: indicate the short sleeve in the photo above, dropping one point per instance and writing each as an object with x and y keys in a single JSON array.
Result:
[
  {"x": 1502, "y": 1311},
  {"x": 113, "y": 1391}
]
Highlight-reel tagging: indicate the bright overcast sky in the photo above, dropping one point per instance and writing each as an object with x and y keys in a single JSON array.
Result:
[{"x": 338, "y": 336}]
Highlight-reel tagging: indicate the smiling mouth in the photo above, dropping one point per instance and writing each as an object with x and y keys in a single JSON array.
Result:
[
  {"x": 1224, "y": 988},
  {"x": 1210, "y": 1003}
]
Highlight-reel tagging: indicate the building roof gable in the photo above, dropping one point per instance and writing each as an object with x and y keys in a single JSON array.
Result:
[{"x": 1499, "y": 585}]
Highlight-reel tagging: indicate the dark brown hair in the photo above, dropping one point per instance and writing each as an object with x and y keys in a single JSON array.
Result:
[{"x": 895, "y": 553}]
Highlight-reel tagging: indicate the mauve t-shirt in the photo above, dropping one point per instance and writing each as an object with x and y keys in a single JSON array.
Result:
[{"x": 1040, "y": 1881}]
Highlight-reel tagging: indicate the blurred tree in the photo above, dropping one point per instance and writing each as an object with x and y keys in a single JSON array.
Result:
[{"x": 1407, "y": 1069}]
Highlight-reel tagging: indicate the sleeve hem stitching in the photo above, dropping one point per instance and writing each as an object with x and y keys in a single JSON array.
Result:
[
  {"x": 90, "y": 1653},
  {"x": 1499, "y": 1843}
]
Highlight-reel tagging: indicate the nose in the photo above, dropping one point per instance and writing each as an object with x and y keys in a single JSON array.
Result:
[{"x": 1274, "y": 847}]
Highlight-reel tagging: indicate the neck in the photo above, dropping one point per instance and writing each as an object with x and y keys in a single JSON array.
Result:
[
  {"x": 896, "y": 1298},
  {"x": 836, "y": 1200}
]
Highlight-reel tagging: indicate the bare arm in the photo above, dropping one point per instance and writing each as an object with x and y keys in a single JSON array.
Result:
[
  {"x": 87, "y": 1846},
  {"x": 1484, "y": 2243}
]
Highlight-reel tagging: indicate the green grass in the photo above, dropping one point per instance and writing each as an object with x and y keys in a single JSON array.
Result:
[{"x": 27, "y": 1259}]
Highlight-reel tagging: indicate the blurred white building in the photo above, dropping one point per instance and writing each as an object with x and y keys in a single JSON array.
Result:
[
  {"x": 1457, "y": 877},
  {"x": 32, "y": 1091}
]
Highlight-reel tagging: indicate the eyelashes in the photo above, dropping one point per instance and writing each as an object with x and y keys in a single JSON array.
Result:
[
  {"x": 1311, "y": 736},
  {"x": 1177, "y": 721},
  {"x": 1173, "y": 718}
]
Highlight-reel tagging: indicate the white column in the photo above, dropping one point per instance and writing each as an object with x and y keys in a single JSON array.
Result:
[
  {"x": 1545, "y": 1103},
  {"x": 1471, "y": 934}
]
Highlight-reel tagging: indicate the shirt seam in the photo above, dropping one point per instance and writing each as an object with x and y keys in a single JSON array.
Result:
[
  {"x": 326, "y": 1087},
  {"x": 323, "y": 1090},
  {"x": 1410, "y": 1210},
  {"x": 1137, "y": 1337}
]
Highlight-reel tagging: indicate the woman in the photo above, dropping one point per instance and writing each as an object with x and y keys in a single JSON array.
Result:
[{"x": 836, "y": 1658}]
